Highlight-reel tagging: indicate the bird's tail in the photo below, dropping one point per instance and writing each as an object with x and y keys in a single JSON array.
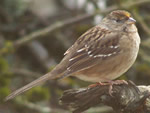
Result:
[{"x": 30, "y": 85}]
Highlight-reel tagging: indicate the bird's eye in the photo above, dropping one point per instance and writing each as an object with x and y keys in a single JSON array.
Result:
[
  {"x": 117, "y": 20},
  {"x": 120, "y": 20}
]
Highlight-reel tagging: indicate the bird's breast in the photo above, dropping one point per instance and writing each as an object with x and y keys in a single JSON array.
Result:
[{"x": 113, "y": 67}]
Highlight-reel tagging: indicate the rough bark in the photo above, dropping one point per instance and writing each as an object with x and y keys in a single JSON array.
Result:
[{"x": 125, "y": 98}]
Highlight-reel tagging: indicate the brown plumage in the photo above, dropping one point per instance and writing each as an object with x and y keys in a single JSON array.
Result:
[{"x": 101, "y": 54}]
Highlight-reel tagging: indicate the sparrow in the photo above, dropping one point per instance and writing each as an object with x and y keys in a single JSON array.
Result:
[{"x": 101, "y": 54}]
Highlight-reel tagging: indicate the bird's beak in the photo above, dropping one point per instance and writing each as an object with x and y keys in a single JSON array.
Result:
[{"x": 131, "y": 20}]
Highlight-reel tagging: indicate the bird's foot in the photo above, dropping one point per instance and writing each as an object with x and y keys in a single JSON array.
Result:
[
  {"x": 116, "y": 82},
  {"x": 110, "y": 83},
  {"x": 96, "y": 84}
]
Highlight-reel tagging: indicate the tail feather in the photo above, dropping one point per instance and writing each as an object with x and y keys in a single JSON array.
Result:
[{"x": 30, "y": 85}]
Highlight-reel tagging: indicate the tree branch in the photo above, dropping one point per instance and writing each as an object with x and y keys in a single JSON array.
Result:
[
  {"x": 124, "y": 99},
  {"x": 60, "y": 24}
]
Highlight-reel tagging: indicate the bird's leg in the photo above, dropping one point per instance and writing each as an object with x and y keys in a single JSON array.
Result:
[
  {"x": 110, "y": 83},
  {"x": 116, "y": 82},
  {"x": 96, "y": 84}
]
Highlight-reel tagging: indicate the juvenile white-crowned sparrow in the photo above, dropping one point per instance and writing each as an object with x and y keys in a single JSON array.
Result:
[{"x": 101, "y": 54}]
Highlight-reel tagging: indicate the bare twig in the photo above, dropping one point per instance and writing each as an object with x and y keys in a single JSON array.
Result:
[
  {"x": 124, "y": 99},
  {"x": 73, "y": 20},
  {"x": 25, "y": 72},
  {"x": 142, "y": 23},
  {"x": 40, "y": 33},
  {"x": 49, "y": 30}
]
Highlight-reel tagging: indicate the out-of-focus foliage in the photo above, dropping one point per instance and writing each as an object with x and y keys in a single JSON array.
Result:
[
  {"x": 8, "y": 48},
  {"x": 4, "y": 78},
  {"x": 40, "y": 93},
  {"x": 28, "y": 51}
]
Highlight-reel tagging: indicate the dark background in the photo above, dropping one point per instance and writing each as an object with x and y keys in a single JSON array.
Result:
[{"x": 34, "y": 34}]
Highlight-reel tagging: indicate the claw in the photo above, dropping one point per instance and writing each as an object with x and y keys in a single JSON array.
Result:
[
  {"x": 116, "y": 82},
  {"x": 110, "y": 83},
  {"x": 94, "y": 85}
]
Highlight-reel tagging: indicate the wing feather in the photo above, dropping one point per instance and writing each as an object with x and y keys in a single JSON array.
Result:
[{"x": 91, "y": 48}]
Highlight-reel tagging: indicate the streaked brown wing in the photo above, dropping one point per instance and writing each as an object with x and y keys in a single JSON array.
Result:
[{"x": 91, "y": 48}]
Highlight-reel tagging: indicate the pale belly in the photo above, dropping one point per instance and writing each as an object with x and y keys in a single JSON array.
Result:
[
  {"x": 109, "y": 69},
  {"x": 113, "y": 67}
]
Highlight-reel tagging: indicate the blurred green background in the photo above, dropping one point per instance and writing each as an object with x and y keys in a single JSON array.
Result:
[{"x": 34, "y": 34}]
